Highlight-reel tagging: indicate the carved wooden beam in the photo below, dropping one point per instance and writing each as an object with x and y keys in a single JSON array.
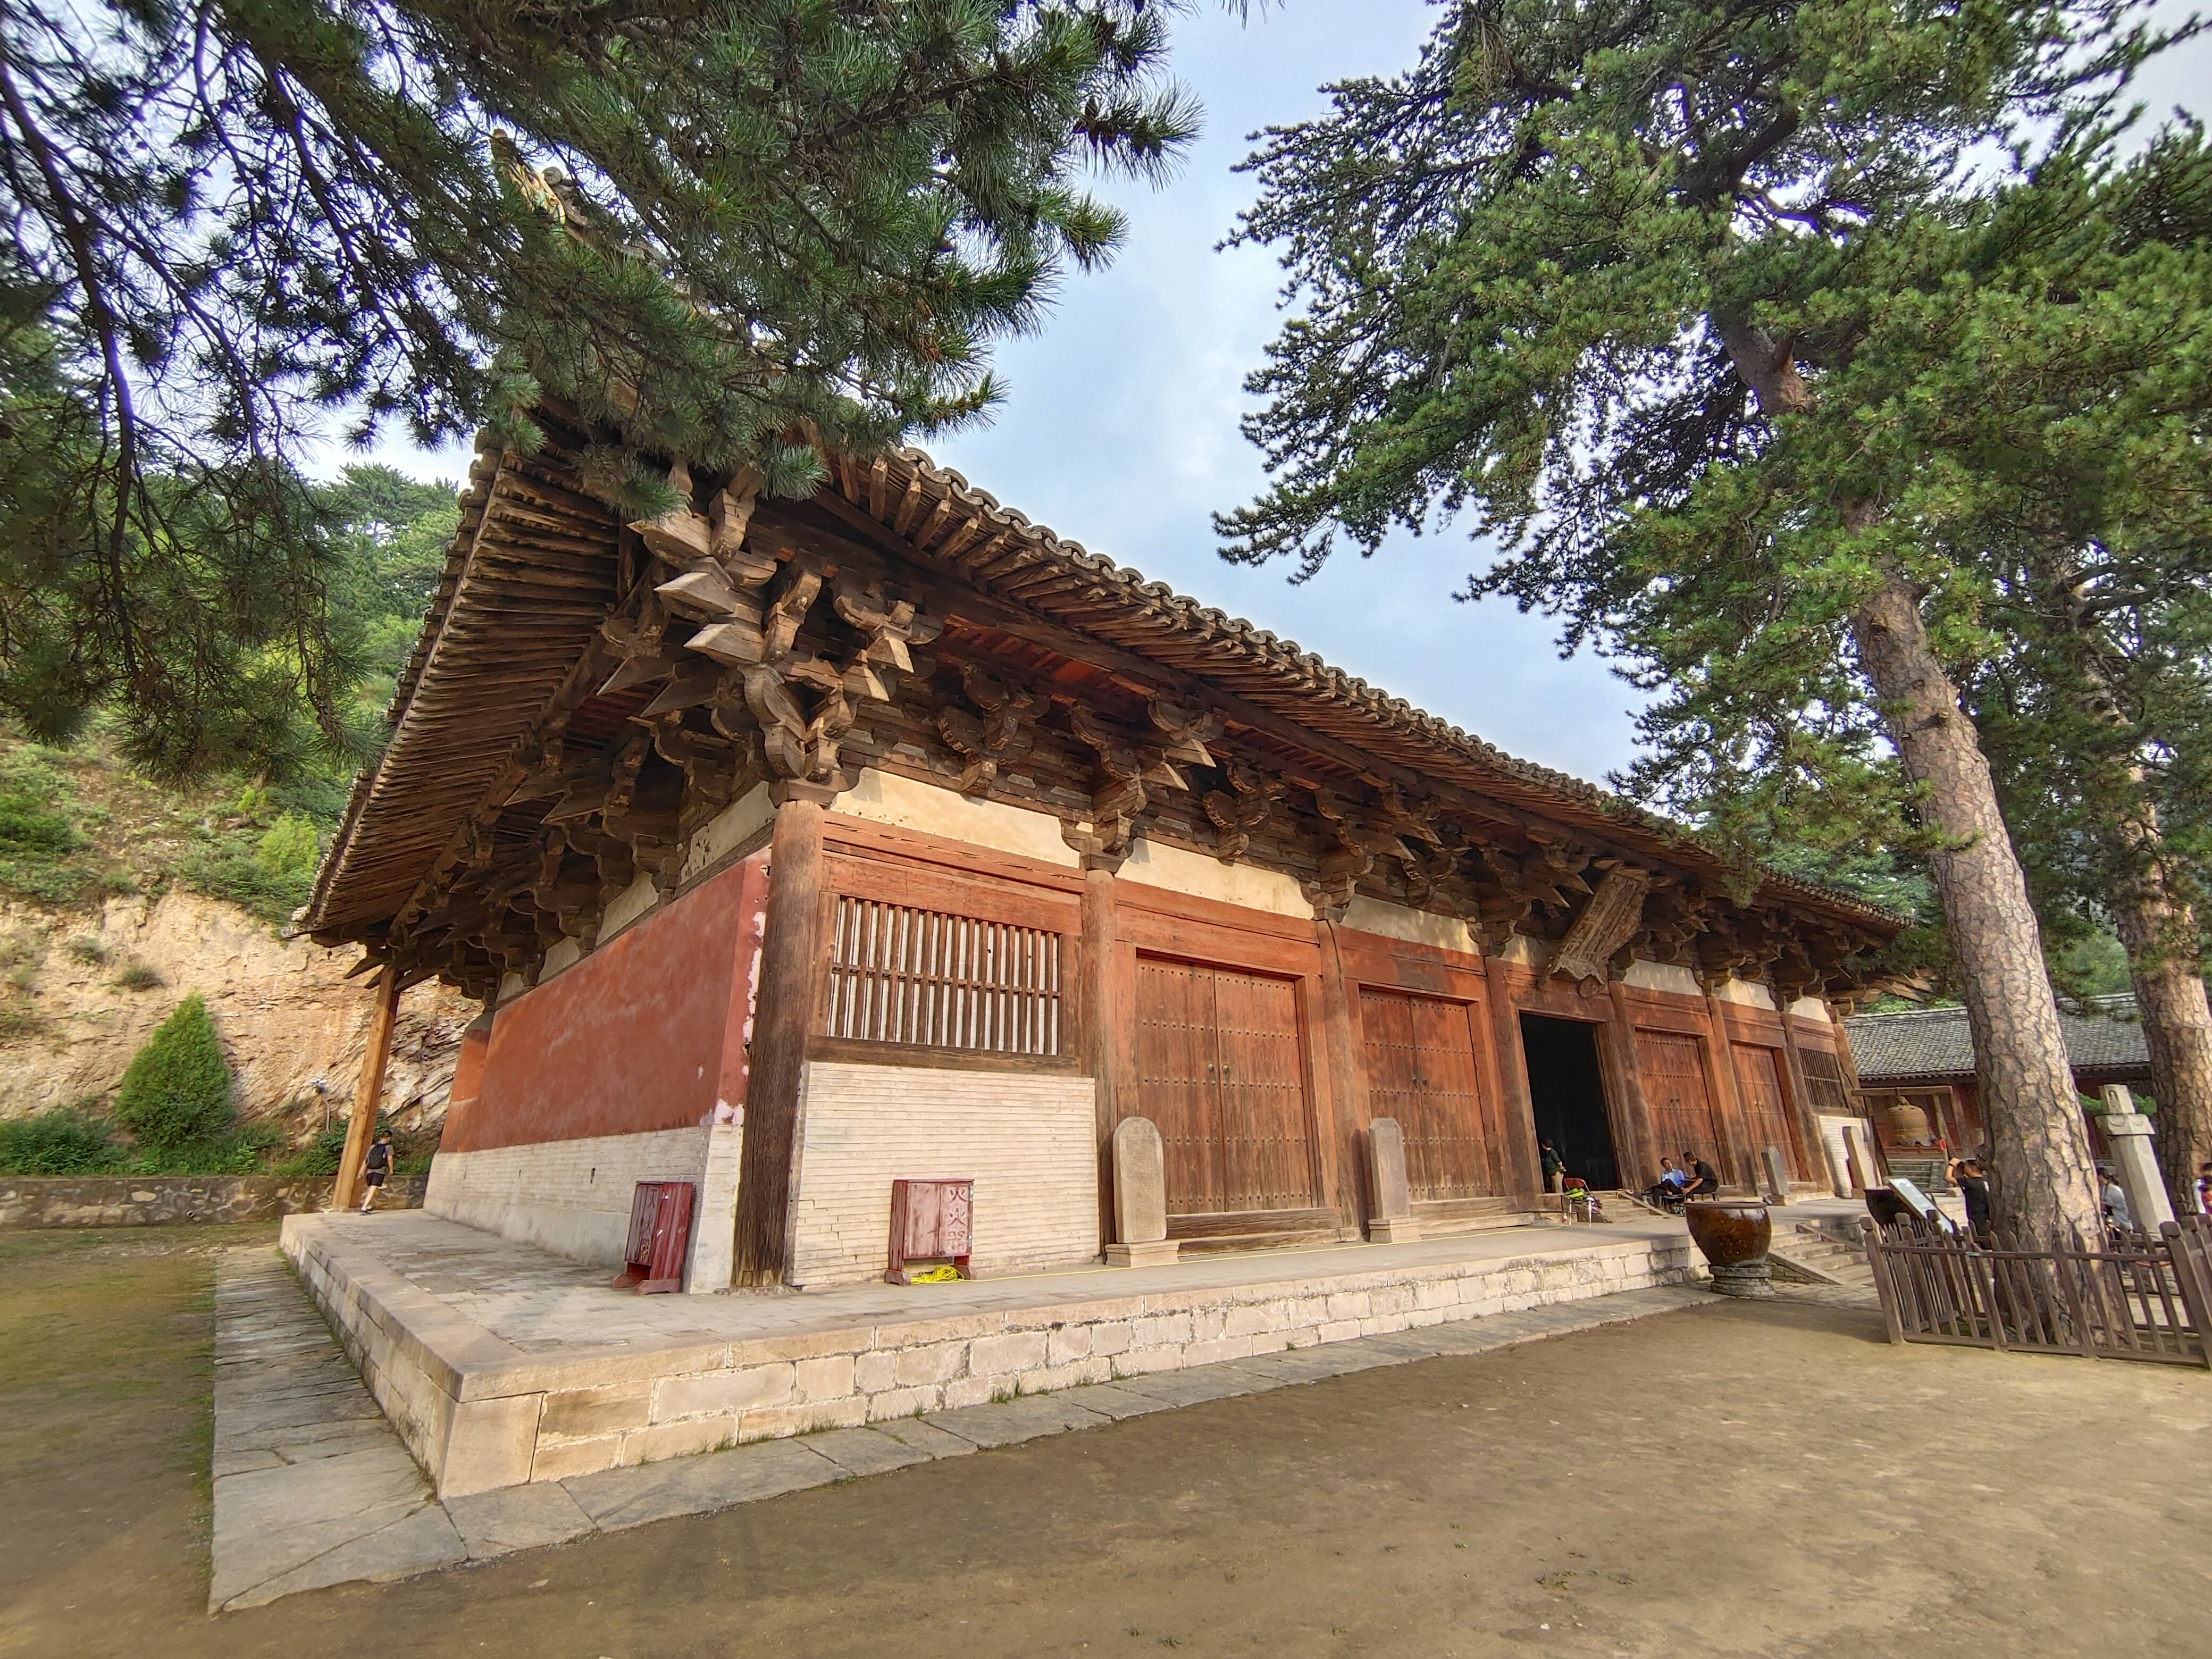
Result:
[
  {"x": 990, "y": 736},
  {"x": 1242, "y": 808},
  {"x": 1603, "y": 926}
]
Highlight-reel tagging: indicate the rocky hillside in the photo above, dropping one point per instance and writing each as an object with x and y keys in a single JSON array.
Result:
[{"x": 118, "y": 899}]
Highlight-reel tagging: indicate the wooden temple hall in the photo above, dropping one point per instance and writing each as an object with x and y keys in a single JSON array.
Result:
[{"x": 796, "y": 849}]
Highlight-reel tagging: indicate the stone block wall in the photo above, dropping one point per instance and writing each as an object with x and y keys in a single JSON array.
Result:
[
  {"x": 479, "y": 1415},
  {"x": 154, "y": 1200},
  {"x": 1026, "y": 1140},
  {"x": 572, "y": 1197}
]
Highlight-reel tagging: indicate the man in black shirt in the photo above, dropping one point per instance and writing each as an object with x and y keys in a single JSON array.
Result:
[
  {"x": 378, "y": 1166},
  {"x": 1973, "y": 1186},
  {"x": 1703, "y": 1183}
]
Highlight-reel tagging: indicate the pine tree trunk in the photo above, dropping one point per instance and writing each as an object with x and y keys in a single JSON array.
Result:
[
  {"x": 2160, "y": 934},
  {"x": 2045, "y": 1183}
]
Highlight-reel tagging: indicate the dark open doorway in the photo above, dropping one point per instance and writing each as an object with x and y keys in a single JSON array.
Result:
[{"x": 1568, "y": 1096}]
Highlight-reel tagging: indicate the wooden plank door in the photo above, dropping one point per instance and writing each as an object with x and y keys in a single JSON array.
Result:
[
  {"x": 1219, "y": 1072},
  {"x": 1267, "y": 1154},
  {"x": 1422, "y": 1071},
  {"x": 1767, "y": 1110},
  {"x": 1682, "y": 1109}
]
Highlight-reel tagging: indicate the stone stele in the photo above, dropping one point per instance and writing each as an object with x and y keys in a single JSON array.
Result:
[
  {"x": 2128, "y": 1133},
  {"x": 1140, "y": 1198},
  {"x": 1393, "y": 1221}
]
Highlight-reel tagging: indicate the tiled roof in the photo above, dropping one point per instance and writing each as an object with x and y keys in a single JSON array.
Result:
[
  {"x": 1932, "y": 1045},
  {"x": 489, "y": 656}
]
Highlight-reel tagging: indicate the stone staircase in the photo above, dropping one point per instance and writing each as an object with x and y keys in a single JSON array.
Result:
[
  {"x": 1925, "y": 1173},
  {"x": 1812, "y": 1254}
]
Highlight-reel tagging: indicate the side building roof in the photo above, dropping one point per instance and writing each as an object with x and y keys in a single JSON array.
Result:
[{"x": 2104, "y": 1042}]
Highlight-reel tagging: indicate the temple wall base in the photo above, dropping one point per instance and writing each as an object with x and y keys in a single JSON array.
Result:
[{"x": 571, "y": 1198}]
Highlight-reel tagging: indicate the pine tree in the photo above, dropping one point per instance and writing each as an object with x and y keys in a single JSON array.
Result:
[
  {"x": 176, "y": 1091},
  {"x": 1700, "y": 311},
  {"x": 724, "y": 230}
]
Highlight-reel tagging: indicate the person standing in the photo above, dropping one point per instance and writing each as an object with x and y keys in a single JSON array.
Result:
[
  {"x": 2115, "y": 1198},
  {"x": 1553, "y": 1164},
  {"x": 1965, "y": 1174},
  {"x": 373, "y": 1171}
]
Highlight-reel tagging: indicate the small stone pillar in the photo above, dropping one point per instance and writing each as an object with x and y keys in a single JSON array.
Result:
[
  {"x": 1777, "y": 1175},
  {"x": 1391, "y": 1221},
  {"x": 1140, "y": 1198},
  {"x": 2133, "y": 1160}
]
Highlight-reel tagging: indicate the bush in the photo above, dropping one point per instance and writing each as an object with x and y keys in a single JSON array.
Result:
[
  {"x": 319, "y": 1156},
  {"x": 176, "y": 1093},
  {"x": 259, "y": 858},
  {"x": 43, "y": 847},
  {"x": 61, "y": 1141},
  {"x": 88, "y": 950},
  {"x": 242, "y": 1150},
  {"x": 138, "y": 976}
]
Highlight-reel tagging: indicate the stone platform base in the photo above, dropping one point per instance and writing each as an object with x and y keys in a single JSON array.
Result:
[
  {"x": 1156, "y": 1253},
  {"x": 499, "y": 1365}
]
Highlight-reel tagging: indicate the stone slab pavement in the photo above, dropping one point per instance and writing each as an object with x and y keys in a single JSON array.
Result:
[{"x": 313, "y": 1486}]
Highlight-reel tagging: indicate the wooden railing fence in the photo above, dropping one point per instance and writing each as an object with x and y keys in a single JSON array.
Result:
[{"x": 2139, "y": 1297}]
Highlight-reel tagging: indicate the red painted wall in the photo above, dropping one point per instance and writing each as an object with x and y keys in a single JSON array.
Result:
[
  {"x": 647, "y": 1032},
  {"x": 468, "y": 1075}
]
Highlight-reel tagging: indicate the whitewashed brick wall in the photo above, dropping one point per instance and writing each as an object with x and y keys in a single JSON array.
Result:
[
  {"x": 1027, "y": 1142},
  {"x": 572, "y": 1197}
]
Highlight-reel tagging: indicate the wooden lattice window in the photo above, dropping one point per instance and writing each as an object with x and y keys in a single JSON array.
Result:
[
  {"x": 904, "y": 974},
  {"x": 1824, "y": 1078}
]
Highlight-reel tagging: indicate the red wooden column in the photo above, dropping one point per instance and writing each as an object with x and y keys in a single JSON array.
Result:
[
  {"x": 1620, "y": 1030},
  {"x": 1800, "y": 1099},
  {"x": 791, "y": 949},
  {"x": 361, "y": 1128},
  {"x": 1346, "y": 1065},
  {"x": 1513, "y": 1081},
  {"x": 1100, "y": 1014},
  {"x": 1728, "y": 1094}
]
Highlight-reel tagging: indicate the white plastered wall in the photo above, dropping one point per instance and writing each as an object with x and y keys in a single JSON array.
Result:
[
  {"x": 887, "y": 798},
  {"x": 572, "y": 1197},
  {"x": 1157, "y": 864},
  {"x": 1027, "y": 1141},
  {"x": 1662, "y": 976},
  {"x": 1414, "y": 926},
  {"x": 1745, "y": 993}
]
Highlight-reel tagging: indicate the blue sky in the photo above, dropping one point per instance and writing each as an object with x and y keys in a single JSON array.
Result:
[{"x": 1120, "y": 430}]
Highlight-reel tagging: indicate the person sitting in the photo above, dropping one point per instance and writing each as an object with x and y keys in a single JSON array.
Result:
[
  {"x": 1666, "y": 1191},
  {"x": 1703, "y": 1183}
]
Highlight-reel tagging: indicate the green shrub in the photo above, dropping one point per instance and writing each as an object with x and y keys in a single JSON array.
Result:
[
  {"x": 319, "y": 1156},
  {"x": 176, "y": 1093},
  {"x": 42, "y": 846},
  {"x": 88, "y": 950},
  {"x": 60, "y": 1141},
  {"x": 242, "y": 1150},
  {"x": 138, "y": 976},
  {"x": 269, "y": 872}
]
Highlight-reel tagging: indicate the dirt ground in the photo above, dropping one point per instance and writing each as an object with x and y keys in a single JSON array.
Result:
[{"x": 1772, "y": 1480}]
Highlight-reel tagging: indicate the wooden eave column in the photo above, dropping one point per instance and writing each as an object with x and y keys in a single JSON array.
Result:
[
  {"x": 361, "y": 1128},
  {"x": 1728, "y": 1096},
  {"x": 1513, "y": 1080},
  {"x": 1801, "y": 1096},
  {"x": 1620, "y": 1030},
  {"x": 1099, "y": 1011},
  {"x": 791, "y": 951}
]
